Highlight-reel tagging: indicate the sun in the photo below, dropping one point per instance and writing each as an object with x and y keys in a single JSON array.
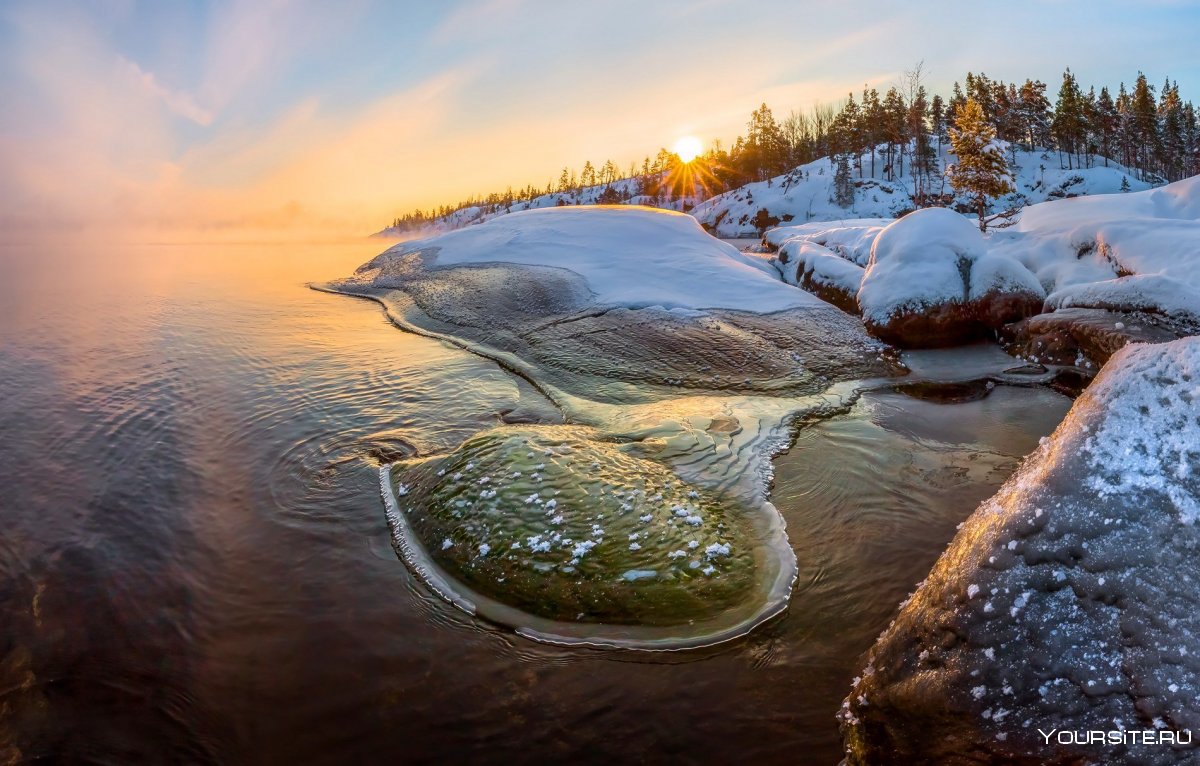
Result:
[{"x": 688, "y": 148}]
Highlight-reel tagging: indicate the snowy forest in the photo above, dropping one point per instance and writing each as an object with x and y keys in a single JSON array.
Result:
[{"x": 1148, "y": 130}]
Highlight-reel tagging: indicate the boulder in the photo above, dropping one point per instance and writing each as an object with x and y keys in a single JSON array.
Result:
[
  {"x": 1086, "y": 337},
  {"x": 1062, "y": 624},
  {"x": 932, "y": 282},
  {"x": 820, "y": 271}
]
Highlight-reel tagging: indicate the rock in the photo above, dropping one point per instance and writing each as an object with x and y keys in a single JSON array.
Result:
[
  {"x": 1073, "y": 336},
  {"x": 1027, "y": 369},
  {"x": 931, "y": 282},
  {"x": 617, "y": 305},
  {"x": 823, "y": 273},
  {"x": 1069, "y": 602},
  {"x": 947, "y": 393}
]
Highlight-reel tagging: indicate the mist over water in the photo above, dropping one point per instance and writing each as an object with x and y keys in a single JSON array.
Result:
[{"x": 196, "y": 565}]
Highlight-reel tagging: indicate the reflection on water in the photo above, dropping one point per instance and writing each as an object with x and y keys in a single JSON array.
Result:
[{"x": 195, "y": 564}]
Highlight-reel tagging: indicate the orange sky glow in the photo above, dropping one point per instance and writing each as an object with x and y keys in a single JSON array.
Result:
[{"x": 289, "y": 119}]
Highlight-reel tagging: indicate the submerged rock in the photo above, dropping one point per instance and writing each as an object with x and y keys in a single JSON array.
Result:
[
  {"x": 1068, "y": 603},
  {"x": 931, "y": 282},
  {"x": 566, "y": 526},
  {"x": 947, "y": 393}
]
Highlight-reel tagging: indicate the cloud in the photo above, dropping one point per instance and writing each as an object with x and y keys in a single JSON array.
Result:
[{"x": 179, "y": 102}]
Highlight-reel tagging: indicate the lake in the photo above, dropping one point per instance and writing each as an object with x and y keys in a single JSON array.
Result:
[{"x": 196, "y": 566}]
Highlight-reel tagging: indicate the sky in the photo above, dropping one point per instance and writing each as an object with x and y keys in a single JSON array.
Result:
[{"x": 290, "y": 118}]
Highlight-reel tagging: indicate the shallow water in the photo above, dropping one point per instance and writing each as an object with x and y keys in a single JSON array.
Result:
[{"x": 195, "y": 564}]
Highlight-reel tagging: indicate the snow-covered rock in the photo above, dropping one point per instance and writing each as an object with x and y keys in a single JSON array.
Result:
[
  {"x": 1068, "y": 602},
  {"x": 676, "y": 263},
  {"x": 851, "y": 239},
  {"x": 931, "y": 281},
  {"x": 1075, "y": 242},
  {"x": 1138, "y": 292},
  {"x": 819, "y": 271},
  {"x": 595, "y": 298}
]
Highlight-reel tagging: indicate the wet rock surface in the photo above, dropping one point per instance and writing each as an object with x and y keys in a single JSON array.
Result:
[
  {"x": 672, "y": 365},
  {"x": 1072, "y": 336},
  {"x": 1070, "y": 601},
  {"x": 566, "y": 526}
]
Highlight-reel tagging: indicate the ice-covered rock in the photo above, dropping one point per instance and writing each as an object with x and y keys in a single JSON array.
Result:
[
  {"x": 820, "y": 271},
  {"x": 1067, "y": 603},
  {"x": 597, "y": 300},
  {"x": 931, "y": 281}
]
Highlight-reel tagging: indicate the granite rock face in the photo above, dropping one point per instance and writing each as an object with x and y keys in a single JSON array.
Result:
[{"x": 1068, "y": 602}]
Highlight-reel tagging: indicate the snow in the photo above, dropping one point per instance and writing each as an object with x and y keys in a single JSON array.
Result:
[
  {"x": 1122, "y": 252},
  {"x": 851, "y": 239},
  {"x": 629, "y": 256},
  {"x": 805, "y": 194},
  {"x": 1150, "y": 439},
  {"x": 800, "y": 259},
  {"x": 933, "y": 257},
  {"x": 713, "y": 550},
  {"x": 1109, "y": 240},
  {"x": 1140, "y": 292}
]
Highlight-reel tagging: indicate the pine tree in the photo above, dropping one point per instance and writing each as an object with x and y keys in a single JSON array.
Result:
[
  {"x": 1144, "y": 128},
  {"x": 937, "y": 121},
  {"x": 1171, "y": 129},
  {"x": 1034, "y": 109},
  {"x": 871, "y": 129},
  {"x": 980, "y": 171},
  {"x": 1068, "y": 126},
  {"x": 895, "y": 132},
  {"x": 1105, "y": 125},
  {"x": 843, "y": 186}
]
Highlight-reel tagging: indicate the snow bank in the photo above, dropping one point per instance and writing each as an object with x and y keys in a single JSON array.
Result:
[
  {"x": 1075, "y": 242},
  {"x": 628, "y": 256},
  {"x": 1069, "y": 601}
]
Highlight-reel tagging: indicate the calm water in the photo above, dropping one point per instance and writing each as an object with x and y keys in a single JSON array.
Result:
[{"x": 195, "y": 564}]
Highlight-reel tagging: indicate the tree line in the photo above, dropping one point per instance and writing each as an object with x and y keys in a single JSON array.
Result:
[{"x": 1149, "y": 130}]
